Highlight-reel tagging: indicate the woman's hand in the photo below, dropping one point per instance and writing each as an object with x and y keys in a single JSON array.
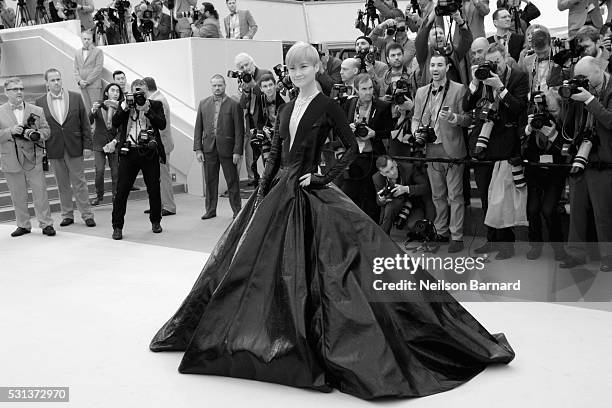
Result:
[{"x": 305, "y": 180}]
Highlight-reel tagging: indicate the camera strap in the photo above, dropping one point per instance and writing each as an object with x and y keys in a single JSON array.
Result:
[{"x": 429, "y": 92}]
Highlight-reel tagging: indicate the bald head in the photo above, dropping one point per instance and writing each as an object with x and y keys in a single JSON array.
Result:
[
  {"x": 349, "y": 69},
  {"x": 590, "y": 68},
  {"x": 478, "y": 51}
]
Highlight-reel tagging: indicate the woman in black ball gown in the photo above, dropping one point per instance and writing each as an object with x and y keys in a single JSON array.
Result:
[{"x": 284, "y": 295}]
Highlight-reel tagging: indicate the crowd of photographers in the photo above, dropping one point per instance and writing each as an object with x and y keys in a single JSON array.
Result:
[
  {"x": 123, "y": 21},
  {"x": 526, "y": 112}
]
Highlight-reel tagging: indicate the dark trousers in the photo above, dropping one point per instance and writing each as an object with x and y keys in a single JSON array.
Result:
[
  {"x": 361, "y": 190},
  {"x": 392, "y": 209},
  {"x": 590, "y": 191},
  {"x": 482, "y": 175},
  {"x": 100, "y": 164},
  {"x": 212, "y": 162},
  {"x": 544, "y": 189},
  {"x": 129, "y": 166}
]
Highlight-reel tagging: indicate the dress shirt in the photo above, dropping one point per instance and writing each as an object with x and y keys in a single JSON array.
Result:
[
  {"x": 235, "y": 26},
  {"x": 58, "y": 104},
  {"x": 18, "y": 111},
  {"x": 218, "y": 101}
]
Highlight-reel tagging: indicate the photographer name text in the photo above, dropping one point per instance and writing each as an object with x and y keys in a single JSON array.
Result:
[{"x": 442, "y": 285}]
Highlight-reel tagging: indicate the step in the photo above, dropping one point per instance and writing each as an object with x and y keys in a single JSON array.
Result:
[{"x": 8, "y": 213}]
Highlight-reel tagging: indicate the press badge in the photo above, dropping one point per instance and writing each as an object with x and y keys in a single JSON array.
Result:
[{"x": 546, "y": 158}]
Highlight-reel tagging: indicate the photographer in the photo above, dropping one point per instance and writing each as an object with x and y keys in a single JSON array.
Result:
[
  {"x": 431, "y": 38},
  {"x": 366, "y": 53},
  {"x": 401, "y": 186},
  {"x": 384, "y": 7},
  {"x": 539, "y": 65},
  {"x": 101, "y": 114},
  {"x": 437, "y": 122},
  {"x": 520, "y": 18},
  {"x": 7, "y": 15},
  {"x": 329, "y": 70},
  {"x": 499, "y": 102},
  {"x": 393, "y": 30},
  {"x": 23, "y": 131},
  {"x": 265, "y": 113},
  {"x": 591, "y": 190},
  {"x": 543, "y": 143},
  {"x": 504, "y": 37},
  {"x": 580, "y": 13},
  {"x": 370, "y": 120},
  {"x": 139, "y": 121},
  {"x": 179, "y": 12},
  {"x": 591, "y": 43},
  {"x": 474, "y": 12},
  {"x": 145, "y": 26},
  {"x": 77, "y": 9},
  {"x": 207, "y": 26},
  {"x": 248, "y": 75}
]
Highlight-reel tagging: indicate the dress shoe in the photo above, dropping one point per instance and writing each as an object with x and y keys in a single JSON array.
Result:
[
  {"x": 117, "y": 233},
  {"x": 606, "y": 264},
  {"x": 441, "y": 239},
  {"x": 49, "y": 231},
  {"x": 486, "y": 248},
  {"x": 19, "y": 232},
  {"x": 97, "y": 200},
  {"x": 534, "y": 253},
  {"x": 147, "y": 211},
  {"x": 156, "y": 228},
  {"x": 209, "y": 215},
  {"x": 455, "y": 246},
  {"x": 571, "y": 262},
  {"x": 135, "y": 188},
  {"x": 90, "y": 222},
  {"x": 166, "y": 213},
  {"x": 66, "y": 221},
  {"x": 505, "y": 252},
  {"x": 560, "y": 254}
]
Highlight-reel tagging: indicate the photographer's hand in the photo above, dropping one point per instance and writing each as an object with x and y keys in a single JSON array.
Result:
[
  {"x": 17, "y": 130},
  {"x": 144, "y": 108},
  {"x": 456, "y": 16},
  {"x": 475, "y": 81},
  {"x": 494, "y": 82},
  {"x": 95, "y": 106},
  {"x": 109, "y": 103},
  {"x": 528, "y": 128},
  {"x": 582, "y": 96},
  {"x": 447, "y": 114},
  {"x": 398, "y": 190},
  {"x": 383, "y": 199},
  {"x": 389, "y": 23}
]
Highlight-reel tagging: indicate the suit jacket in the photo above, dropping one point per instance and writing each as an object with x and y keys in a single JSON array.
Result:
[
  {"x": 162, "y": 31},
  {"x": 248, "y": 100},
  {"x": 70, "y": 134},
  {"x": 259, "y": 117},
  {"x": 450, "y": 134},
  {"x": 156, "y": 118},
  {"x": 504, "y": 142},
  {"x": 248, "y": 26},
  {"x": 166, "y": 133},
  {"x": 102, "y": 134},
  {"x": 90, "y": 69},
  {"x": 15, "y": 150},
  {"x": 209, "y": 28},
  {"x": 515, "y": 45},
  {"x": 230, "y": 128},
  {"x": 379, "y": 121},
  {"x": 474, "y": 16},
  {"x": 413, "y": 176},
  {"x": 578, "y": 15}
]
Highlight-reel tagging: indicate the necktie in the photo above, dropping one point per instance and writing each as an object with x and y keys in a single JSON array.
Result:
[{"x": 17, "y": 107}]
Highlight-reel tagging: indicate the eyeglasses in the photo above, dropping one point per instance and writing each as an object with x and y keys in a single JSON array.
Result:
[{"x": 15, "y": 89}]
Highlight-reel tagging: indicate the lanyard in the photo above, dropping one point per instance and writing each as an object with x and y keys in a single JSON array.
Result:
[{"x": 446, "y": 86}]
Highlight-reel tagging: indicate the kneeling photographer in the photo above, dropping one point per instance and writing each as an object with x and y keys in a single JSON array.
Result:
[
  {"x": 543, "y": 143},
  {"x": 403, "y": 192},
  {"x": 139, "y": 121},
  {"x": 370, "y": 120},
  {"x": 590, "y": 187}
]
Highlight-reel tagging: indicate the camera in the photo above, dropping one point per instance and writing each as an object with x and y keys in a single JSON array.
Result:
[
  {"x": 416, "y": 7},
  {"x": 423, "y": 135},
  {"x": 566, "y": 50},
  {"x": 402, "y": 217},
  {"x": 138, "y": 97},
  {"x": 571, "y": 88},
  {"x": 121, "y": 5},
  {"x": 146, "y": 138},
  {"x": 582, "y": 156},
  {"x": 69, "y": 9},
  {"x": 484, "y": 70},
  {"x": 259, "y": 138},
  {"x": 368, "y": 56},
  {"x": 125, "y": 149},
  {"x": 394, "y": 29},
  {"x": 242, "y": 76},
  {"x": 361, "y": 129},
  {"x": 284, "y": 79},
  {"x": 194, "y": 13},
  {"x": 485, "y": 111},
  {"x": 401, "y": 91},
  {"x": 541, "y": 115},
  {"x": 386, "y": 192},
  {"x": 447, "y": 7},
  {"x": 29, "y": 129},
  {"x": 339, "y": 92}
]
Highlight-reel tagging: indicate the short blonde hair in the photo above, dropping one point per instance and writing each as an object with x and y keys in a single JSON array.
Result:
[
  {"x": 302, "y": 52},
  {"x": 12, "y": 80}
]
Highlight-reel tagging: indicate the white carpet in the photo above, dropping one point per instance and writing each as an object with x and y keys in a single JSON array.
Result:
[{"x": 79, "y": 311}]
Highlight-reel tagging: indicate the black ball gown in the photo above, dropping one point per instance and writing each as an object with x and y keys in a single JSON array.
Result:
[{"x": 283, "y": 296}]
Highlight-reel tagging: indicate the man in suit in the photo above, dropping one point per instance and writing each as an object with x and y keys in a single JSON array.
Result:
[
  {"x": 439, "y": 106},
  {"x": 507, "y": 88},
  {"x": 70, "y": 137},
  {"x": 581, "y": 13},
  {"x": 183, "y": 25},
  {"x": 218, "y": 139},
  {"x": 167, "y": 195},
  {"x": 21, "y": 158},
  {"x": 474, "y": 12},
  {"x": 591, "y": 190},
  {"x": 376, "y": 116},
  {"x": 239, "y": 23},
  {"x": 511, "y": 42},
  {"x": 524, "y": 16},
  {"x": 88, "y": 64},
  {"x": 7, "y": 15},
  {"x": 140, "y": 149},
  {"x": 161, "y": 22},
  {"x": 409, "y": 191}
]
